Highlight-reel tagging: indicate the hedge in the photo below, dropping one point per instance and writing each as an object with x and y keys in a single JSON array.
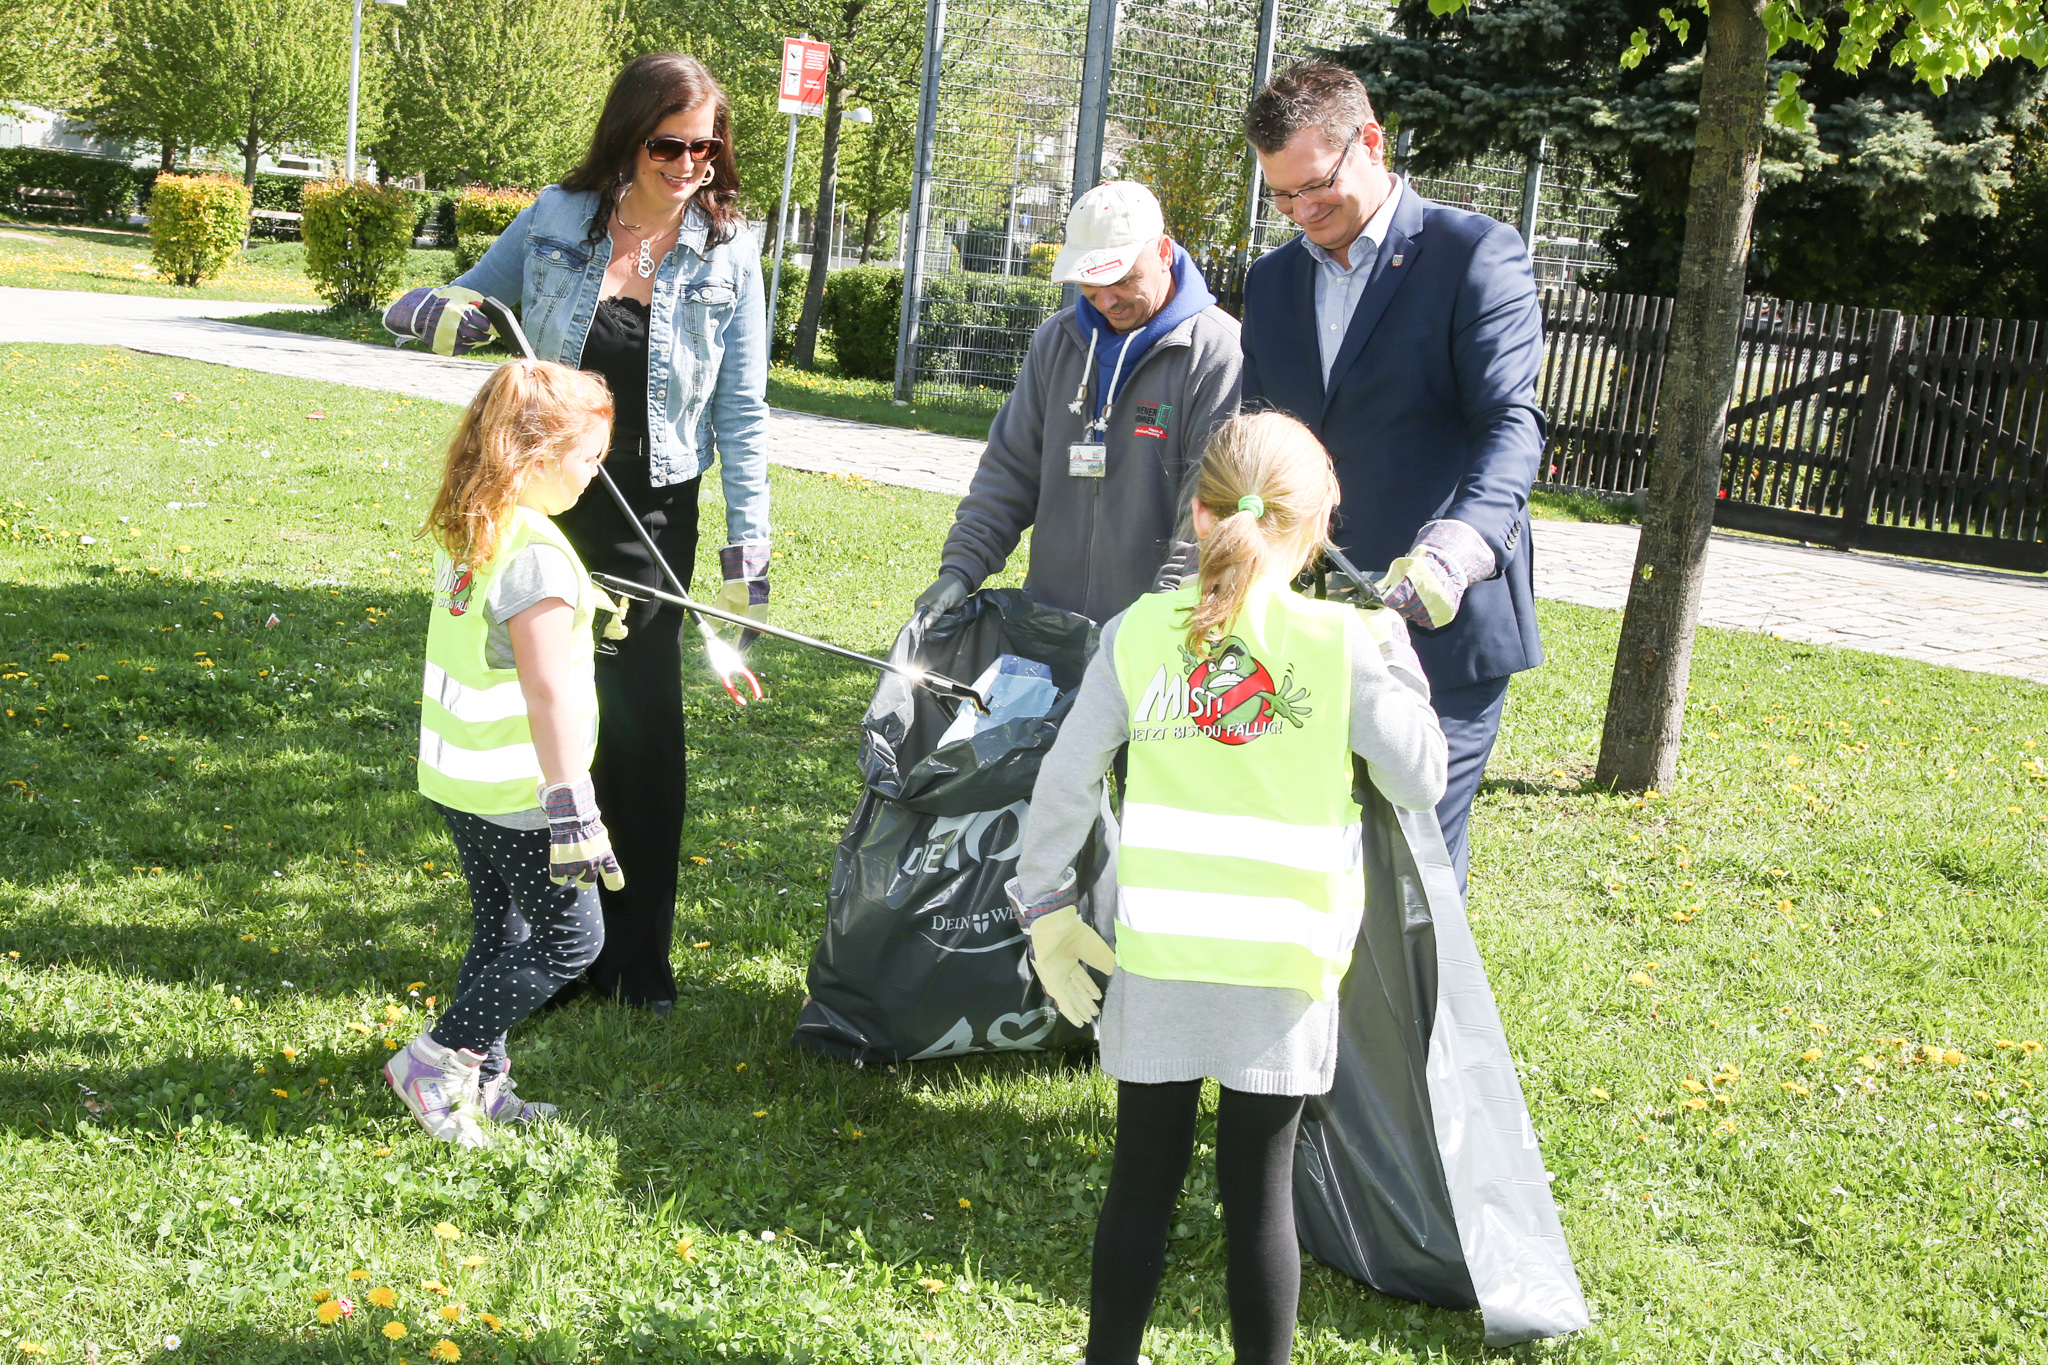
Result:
[
  {"x": 979, "y": 329},
  {"x": 104, "y": 188},
  {"x": 789, "y": 304},
  {"x": 357, "y": 239},
  {"x": 862, "y": 307},
  {"x": 195, "y": 225},
  {"x": 481, "y": 213}
]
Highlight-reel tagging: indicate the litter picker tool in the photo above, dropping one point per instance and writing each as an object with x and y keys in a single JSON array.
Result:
[
  {"x": 938, "y": 684},
  {"x": 726, "y": 661},
  {"x": 1367, "y": 589}
]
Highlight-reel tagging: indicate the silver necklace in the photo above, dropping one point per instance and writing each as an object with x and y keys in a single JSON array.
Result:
[{"x": 645, "y": 265}]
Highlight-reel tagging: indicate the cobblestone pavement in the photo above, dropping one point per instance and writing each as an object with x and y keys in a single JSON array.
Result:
[{"x": 1976, "y": 619}]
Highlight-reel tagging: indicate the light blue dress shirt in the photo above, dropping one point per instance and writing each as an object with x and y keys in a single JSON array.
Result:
[{"x": 1339, "y": 288}]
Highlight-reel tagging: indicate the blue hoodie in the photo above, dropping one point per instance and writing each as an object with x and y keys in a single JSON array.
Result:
[{"x": 1190, "y": 296}]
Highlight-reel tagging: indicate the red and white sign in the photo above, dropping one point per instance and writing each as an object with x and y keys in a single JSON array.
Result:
[{"x": 803, "y": 77}]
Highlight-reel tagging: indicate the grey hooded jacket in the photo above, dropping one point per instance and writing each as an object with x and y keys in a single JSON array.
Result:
[{"x": 1097, "y": 545}]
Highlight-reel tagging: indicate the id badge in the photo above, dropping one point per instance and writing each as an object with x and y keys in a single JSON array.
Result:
[{"x": 1084, "y": 460}]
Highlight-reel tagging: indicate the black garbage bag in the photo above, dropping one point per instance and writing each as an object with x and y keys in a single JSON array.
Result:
[
  {"x": 920, "y": 958},
  {"x": 1419, "y": 1172}
]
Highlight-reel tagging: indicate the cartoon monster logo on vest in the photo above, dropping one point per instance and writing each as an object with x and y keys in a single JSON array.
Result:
[
  {"x": 1229, "y": 697},
  {"x": 452, "y": 588}
]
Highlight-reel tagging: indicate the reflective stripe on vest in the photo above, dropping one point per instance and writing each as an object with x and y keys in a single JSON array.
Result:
[
  {"x": 476, "y": 746},
  {"x": 1241, "y": 859}
]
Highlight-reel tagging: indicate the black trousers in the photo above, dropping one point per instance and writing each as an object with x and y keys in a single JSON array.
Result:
[
  {"x": 1471, "y": 721},
  {"x": 1155, "y": 1137},
  {"x": 640, "y": 769}
]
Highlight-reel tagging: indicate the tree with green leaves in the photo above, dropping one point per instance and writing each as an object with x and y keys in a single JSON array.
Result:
[
  {"x": 1738, "y": 97},
  {"x": 878, "y": 179},
  {"x": 50, "y": 51},
  {"x": 874, "y": 43},
  {"x": 155, "y": 87},
  {"x": 277, "y": 74},
  {"x": 1847, "y": 203},
  {"x": 502, "y": 92}
]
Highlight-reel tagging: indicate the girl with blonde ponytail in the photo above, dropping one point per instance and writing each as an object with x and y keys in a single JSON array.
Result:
[
  {"x": 508, "y": 724},
  {"x": 1240, "y": 880}
]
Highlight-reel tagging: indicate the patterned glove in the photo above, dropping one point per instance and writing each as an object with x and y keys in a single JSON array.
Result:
[
  {"x": 1389, "y": 631},
  {"x": 745, "y": 570},
  {"x": 1063, "y": 948},
  {"x": 447, "y": 318},
  {"x": 1427, "y": 584},
  {"x": 580, "y": 850}
]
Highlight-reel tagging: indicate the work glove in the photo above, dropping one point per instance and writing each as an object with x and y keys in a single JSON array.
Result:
[
  {"x": 579, "y": 849},
  {"x": 447, "y": 319},
  {"x": 1062, "y": 948},
  {"x": 1427, "y": 584},
  {"x": 947, "y": 592},
  {"x": 1389, "y": 631},
  {"x": 745, "y": 593}
]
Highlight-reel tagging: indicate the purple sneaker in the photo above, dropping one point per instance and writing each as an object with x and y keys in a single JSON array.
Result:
[
  {"x": 439, "y": 1085},
  {"x": 502, "y": 1105}
]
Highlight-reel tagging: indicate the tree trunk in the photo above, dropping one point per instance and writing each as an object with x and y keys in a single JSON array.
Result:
[
  {"x": 806, "y": 349},
  {"x": 1646, "y": 700},
  {"x": 252, "y": 152},
  {"x": 167, "y": 159},
  {"x": 867, "y": 233}
]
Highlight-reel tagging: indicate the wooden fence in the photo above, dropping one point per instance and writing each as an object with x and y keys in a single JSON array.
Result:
[{"x": 1856, "y": 428}]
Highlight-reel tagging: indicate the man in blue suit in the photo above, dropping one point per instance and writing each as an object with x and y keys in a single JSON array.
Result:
[{"x": 1408, "y": 336}]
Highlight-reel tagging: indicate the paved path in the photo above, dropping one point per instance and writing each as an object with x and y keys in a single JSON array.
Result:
[{"x": 1976, "y": 619}]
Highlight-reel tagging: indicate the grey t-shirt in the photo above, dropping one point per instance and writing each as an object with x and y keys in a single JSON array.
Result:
[{"x": 539, "y": 571}]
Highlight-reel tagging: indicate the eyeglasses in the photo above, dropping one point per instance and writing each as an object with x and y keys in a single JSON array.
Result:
[
  {"x": 674, "y": 148},
  {"x": 1283, "y": 200}
]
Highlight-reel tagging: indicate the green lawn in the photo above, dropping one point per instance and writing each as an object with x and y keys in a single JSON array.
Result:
[
  {"x": 1776, "y": 1025},
  {"x": 116, "y": 261}
]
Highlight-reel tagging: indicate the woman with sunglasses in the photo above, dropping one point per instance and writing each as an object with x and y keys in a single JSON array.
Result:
[{"x": 636, "y": 267}]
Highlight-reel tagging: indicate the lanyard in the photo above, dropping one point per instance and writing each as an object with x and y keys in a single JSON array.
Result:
[{"x": 1098, "y": 426}]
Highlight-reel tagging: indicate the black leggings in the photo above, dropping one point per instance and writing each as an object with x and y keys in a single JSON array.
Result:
[
  {"x": 528, "y": 937},
  {"x": 1155, "y": 1137}
]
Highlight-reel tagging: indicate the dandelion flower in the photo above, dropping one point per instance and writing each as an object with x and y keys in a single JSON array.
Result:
[
  {"x": 931, "y": 1285},
  {"x": 2004, "y": 1044},
  {"x": 448, "y": 1232},
  {"x": 1980, "y": 1094},
  {"x": 394, "y": 1329},
  {"x": 281, "y": 1094},
  {"x": 966, "y": 1204},
  {"x": 290, "y": 1054},
  {"x": 452, "y": 1311},
  {"x": 760, "y": 1113},
  {"x": 2030, "y": 1047},
  {"x": 445, "y": 1349},
  {"x": 491, "y": 1321},
  {"x": 433, "y": 1286},
  {"x": 686, "y": 1247},
  {"x": 329, "y": 1312},
  {"x": 1600, "y": 1094},
  {"x": 359, "y": 1274},
  {"x": 1695, "y": 1103},
  {"x": 383, "y": 1297},
  {"x": 472, "y": 1262},
  {"x": 1794, "y": 1087},
  {"x": 1811, "y": 1054},
  {"x": 322, "y": 1295},
  {"x": 1690, "y": 1084}
]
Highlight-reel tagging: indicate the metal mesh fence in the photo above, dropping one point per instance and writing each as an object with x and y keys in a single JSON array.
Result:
[
  {"x": 1002, "y": 174},
  {"x": 1004, "y": 145}
]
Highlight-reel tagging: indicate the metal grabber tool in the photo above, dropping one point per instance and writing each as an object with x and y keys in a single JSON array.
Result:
[
  {"x": 1367, "y": 589},
  {"x": 725, "y": 660}
]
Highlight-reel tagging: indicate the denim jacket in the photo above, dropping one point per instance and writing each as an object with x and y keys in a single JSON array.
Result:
[{"x": 708, "y": 321}]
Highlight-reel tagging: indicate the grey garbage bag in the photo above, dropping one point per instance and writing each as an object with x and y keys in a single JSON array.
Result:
[
  {"x": 920, "y": 958},
  {"x": 1419, "y": 1173}
]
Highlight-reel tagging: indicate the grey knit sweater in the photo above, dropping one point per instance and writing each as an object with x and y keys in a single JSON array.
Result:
[{"x": 1263, "y": 1039}]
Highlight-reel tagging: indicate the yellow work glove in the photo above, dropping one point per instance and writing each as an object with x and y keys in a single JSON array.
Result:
[{"x": 1062, "y": 948}]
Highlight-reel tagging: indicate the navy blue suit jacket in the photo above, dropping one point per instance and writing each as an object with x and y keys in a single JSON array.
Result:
[{"x": 1430, "y": 411}]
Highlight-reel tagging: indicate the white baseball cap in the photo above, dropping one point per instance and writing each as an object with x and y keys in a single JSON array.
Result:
[{"x": 1107, "y": 230}]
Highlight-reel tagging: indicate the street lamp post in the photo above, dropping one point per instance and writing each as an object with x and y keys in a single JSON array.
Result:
[{"x": 355, "y": 75}]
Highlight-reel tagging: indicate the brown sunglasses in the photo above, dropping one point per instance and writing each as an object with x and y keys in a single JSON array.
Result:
[{"x": 673, "y": 148}]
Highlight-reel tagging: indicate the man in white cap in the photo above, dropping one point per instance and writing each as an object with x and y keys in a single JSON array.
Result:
[{"x": 1116, "y": 398}]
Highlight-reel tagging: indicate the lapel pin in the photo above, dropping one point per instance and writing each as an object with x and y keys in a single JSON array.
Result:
[{"x": 1397, "y": 261}]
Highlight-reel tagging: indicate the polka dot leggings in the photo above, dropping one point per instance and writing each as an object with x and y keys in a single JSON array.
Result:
[{"x": 529, "y": 937}]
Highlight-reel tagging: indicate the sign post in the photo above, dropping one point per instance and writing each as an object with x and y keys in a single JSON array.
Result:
[{"x": 802, "y": 93}]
